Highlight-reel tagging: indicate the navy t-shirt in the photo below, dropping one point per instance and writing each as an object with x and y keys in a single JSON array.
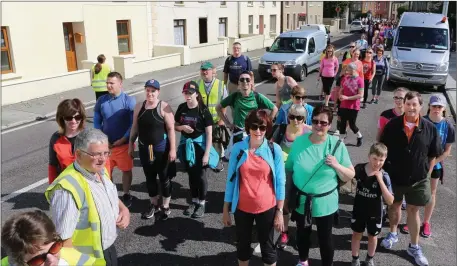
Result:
[{"x": 235, "y": 65}]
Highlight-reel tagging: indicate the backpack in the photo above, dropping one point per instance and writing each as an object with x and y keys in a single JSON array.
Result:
[{"x": 272, "y": 149}]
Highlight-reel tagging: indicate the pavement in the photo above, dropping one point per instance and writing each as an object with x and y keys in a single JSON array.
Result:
[{"x": 184, "y": 241}]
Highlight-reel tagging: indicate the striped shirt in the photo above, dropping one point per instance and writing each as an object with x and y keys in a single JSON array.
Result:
[{"x": 106, "y": 201}]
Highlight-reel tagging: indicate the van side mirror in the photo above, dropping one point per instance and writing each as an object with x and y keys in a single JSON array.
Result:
[{"x": 267, "y": 49}]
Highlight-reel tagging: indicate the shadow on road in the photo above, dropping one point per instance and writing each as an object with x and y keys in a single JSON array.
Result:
[{"x": 29, "y": 200}]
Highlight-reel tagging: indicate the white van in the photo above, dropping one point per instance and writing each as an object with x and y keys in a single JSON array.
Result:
[
  {"x": 421, "y": 49},
  {"x": 320, "y": 27}
]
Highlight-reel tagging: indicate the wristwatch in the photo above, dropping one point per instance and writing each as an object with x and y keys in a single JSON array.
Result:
[{"x": 279, "y": 209}]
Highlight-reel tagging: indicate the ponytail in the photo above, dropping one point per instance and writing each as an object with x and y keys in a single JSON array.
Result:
[{"x": 98, "y": 68}]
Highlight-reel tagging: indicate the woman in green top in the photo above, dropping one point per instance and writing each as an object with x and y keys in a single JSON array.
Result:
[{"x": 315, "y": 173}]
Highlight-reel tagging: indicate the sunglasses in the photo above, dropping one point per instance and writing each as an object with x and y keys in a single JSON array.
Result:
[
  {"x": 369, "y": 52},
  {"x": 40, "y": 259},
  {"x": 318, "y": 122},
  {"x": 296, "y": 117},
  {"x": 76, "y": 117},
  {"x": 262, "y": 128},
  {"x": 398, "y": 98},
  {"x": 329, "y": 51},
  {"x": 351, "y": 46},
  {"x": 298, "y": 98},
  {"x": 247, "y": 80}
]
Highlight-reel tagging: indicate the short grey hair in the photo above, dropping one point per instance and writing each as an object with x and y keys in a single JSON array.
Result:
[
  {"x": 352, "y": 66},
  {"x": 297, "y": 109},
  {"x": 89, "y": 136}
]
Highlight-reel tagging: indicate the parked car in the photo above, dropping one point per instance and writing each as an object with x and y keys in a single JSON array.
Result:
[
  {"x": 320, "y": 27},
  {"x": 356, "y": 26},
  {"x": 299, "y": 51}
]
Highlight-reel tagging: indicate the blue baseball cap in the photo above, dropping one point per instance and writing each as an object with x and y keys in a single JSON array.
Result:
[
  {"x": 152, "y": 83},
  {"x": 438, "y": 99}
]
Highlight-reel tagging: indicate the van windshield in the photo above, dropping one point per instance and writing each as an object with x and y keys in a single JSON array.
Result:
[
  {"x": 422, "y": 38},
  {"x": 288, "y": 45}
]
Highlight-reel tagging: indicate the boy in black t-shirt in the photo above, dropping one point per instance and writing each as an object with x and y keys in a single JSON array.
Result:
[{"x": 373, "y": 185}]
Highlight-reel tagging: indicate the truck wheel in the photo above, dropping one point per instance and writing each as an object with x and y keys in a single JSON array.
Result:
[{"x": 303, "y": 73}]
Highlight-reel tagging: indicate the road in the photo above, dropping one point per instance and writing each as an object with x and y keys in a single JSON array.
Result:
[{"x": 185, "y": 241}]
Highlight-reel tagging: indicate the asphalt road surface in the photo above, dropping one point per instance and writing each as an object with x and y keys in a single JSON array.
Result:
[{"x": 185, "y": 241}]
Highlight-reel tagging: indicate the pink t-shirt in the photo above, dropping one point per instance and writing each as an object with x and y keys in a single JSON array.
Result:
[
  {"x": 329, "y": 67},
  {"x": 351, "y": 86}
]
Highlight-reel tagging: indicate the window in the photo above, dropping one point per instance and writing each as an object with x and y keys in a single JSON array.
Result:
[
  {"x": 287, "y": 21},
  {"x": 274, "y": 3},
  {"x": 422, "y": 38},
  {"x": 180, "y": 31},
  {"x": 288, "y": 45},
  {"x": 7, "y": 65},
  {"x": 262, "y": 3},
  {"x": 250, "y": 3},
  {"x": 123, "y": 36},
  {"x": 302, "y": 3},
  {"x": 223, "y": 27},
  {"x": 179, "y": 2},
  {"x": 286, "y": 3},
  {"x": 311, "y": 46},
  {"x": 223, "y": 3},
  {"x": 273, "y": 23},
  {"x": 294, "y": 21},
  {"x": 251, "y": 24}
]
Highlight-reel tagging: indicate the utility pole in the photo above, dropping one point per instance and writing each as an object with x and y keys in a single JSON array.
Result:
[{"x": 445, "y": 7}]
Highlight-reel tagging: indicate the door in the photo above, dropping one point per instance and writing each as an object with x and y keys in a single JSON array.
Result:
[
  {"x": 313, "y": 55},
  {"x": 251, "y": 24},
  {"x": 70, "y": 51},
  {"x": 203, "y": 29},
  {"x": 261, "y": 25}
]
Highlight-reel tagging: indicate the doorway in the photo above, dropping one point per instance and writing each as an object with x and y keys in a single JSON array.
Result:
[
  {"x": 203, "y": 29},
  {"x": 70, "y": 51},
  {"x": 261, "y": 26}
]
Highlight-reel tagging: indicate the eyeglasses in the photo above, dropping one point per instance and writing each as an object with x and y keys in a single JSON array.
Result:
[
  {"x": 296, "y": 117},
  {"x": 369, "y": 52},
  {"x": 40, "y": 259},
  {"x": 352, "y": 46},
  {"x": 76, "y": 117},
  {"x": 398, "y": 98},
  {"x": 247, "y": 80},
  {"x": 318, "y": 122},
  {"x": 254, "y": 127},
  {"x": 98, "y": 155},
  {"x": 274, "y": 69},
  {"x": 330, "y": 51},
  {"x": 298, "y": 98}
]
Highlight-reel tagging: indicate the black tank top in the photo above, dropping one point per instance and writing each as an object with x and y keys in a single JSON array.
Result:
[{"x": 151, "y": 125}]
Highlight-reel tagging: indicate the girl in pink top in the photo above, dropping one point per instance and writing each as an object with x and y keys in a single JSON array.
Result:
[
  {"x": 351, "y": 92},
  {"x": 328, "y": 70}
]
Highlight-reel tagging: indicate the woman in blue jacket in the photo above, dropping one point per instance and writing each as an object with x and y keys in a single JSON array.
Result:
[{"x": 255, "y": 189}]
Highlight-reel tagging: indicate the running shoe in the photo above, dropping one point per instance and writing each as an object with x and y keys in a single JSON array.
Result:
[
  {"x": 369, "y": 262},
  {"x": 425, "y": 230},
  {"x": 283, "y": 239},
  {"x": 389, "y": 241},
  {"x": 190, "y": 210},
  {"x": 359, "y": 141},
  {"x": 404, "y": 229},
  {"x": 199, "y": 211},
  {"x": 127, "y": 200},
  {"x": 302, "y": 263},
  {"x": 149, "y": 213},
  {"x": 416, "y": 253},
  {"x": 376, "y": 101},
  {"x": 364, "y": 105},
  {"x": 355, "y": 262},
  {"x": 336, "y": 133},
  {"x": 372, "y": 101},
  {"x": 165, "y": 213}
]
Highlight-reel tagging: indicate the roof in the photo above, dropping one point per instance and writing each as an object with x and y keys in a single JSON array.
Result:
[
  {"x": 300, "y": 33},
  {"x": 419, "y": 19}
]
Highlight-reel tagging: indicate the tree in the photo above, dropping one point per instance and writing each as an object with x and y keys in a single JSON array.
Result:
[
  {"x": 329, "y": 8},
  {"x": 401, "y": 10}
]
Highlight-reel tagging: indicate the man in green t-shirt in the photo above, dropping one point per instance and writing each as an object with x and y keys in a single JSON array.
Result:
[{"x": 242, "y": 102}]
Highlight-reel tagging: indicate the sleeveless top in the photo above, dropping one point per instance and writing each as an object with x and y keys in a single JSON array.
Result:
[
  {"x": 151, "y": 127},
  {"x": 285, "y": 91}
]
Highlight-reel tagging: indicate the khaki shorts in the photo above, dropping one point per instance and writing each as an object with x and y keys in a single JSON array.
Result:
[{"x": 418, "y": 194}]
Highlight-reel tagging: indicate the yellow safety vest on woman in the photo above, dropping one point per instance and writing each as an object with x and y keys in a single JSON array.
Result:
[
  {"x": 70, "y": 255},
  {"x": 99, "y": 80},
  {"x": 213, "y": 98},
  {"x": 87, "y": 237}
]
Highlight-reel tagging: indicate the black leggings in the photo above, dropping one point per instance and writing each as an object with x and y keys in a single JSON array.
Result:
[
  {"x": 327, "y": 83},
  {"x": 378, "y": 83},
  {"x": 198, "y": 180},
  {"x": 264, "y": 223},
  {"x": 324, "y": 226},
  {"x": 158, "y": 166},
  {"x": 367, "y": 85},
  {"x": 348, "y": 115}
]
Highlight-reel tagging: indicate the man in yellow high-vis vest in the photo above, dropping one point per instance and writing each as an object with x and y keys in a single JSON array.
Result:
[
  {"x": 212, "y": 90},
  {"x": 85, "y": 190}
]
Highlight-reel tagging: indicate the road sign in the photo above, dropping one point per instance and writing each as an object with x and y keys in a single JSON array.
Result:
[{"x": 338, "y": 9}]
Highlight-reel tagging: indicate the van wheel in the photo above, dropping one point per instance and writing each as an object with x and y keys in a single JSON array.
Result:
[{"x": 303, "y": 73}]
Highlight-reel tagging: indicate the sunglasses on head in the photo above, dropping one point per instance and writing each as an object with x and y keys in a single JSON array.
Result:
[
  {"x": 262, "y": 128},
  {"x": 76, "y": 117},
  {"x": 296, "y": 117},
  {"x": 398, "y": 98},
  {"x": 318, "y": 122},
  {"x": 247, "y": 80},
  {"x": 298, "y": 98},
  {"x": 40, "y": 259}
]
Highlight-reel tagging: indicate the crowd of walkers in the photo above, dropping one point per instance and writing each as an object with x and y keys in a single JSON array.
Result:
[{"x": 283, "y": 163}]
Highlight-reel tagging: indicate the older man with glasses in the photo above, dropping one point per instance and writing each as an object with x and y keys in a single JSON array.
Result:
[{"x": 83, "y": 200}]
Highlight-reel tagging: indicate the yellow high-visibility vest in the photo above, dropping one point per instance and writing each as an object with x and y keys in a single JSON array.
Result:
[
  {"x": 87, "y": 237},
  {"x": 99, "y": 80},
  {"x": 214, "y": 97}
]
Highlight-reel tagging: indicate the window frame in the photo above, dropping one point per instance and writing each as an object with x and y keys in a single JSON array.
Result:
[
  {"x": 223, "y": 20},
  {"x": 128, "y": 37},
  {"x": 7, "y": 49},
  {"x": 184, "y": 28}
]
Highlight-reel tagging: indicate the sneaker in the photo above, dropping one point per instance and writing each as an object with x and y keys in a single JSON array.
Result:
[
  {"x": 364, "y": 105},
  {"x": 372, "y": 101},
  {"x": 282, "y": 240},
  {"x": 302, "y": 263},
  {"x": 425, "y": 230},
  {"x": 355, "y": 262},
  {"x": 219, "y": 168},
  {"x": 359, "y": 141},
  {"x": 418, "y": 256},
  {"x": 165, "y": 213},
  {"x": 199, "y": 211},
  {"x": 127, "y": 200},
  {"x": 403, "y": 205},
  {"x": 336, "y": 133},
  {"x": 404, "y": 229},
  {"x": 190, "y": 210},
  {"x": 389, "y": 241},
  {"x": 369, "y": 262},
  {"x": 376, "y": 101},
  {"x": 152, "y": 209}
]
